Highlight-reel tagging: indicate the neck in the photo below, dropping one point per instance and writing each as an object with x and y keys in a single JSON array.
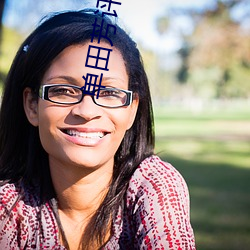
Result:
[{"x": 80, "y": 190}]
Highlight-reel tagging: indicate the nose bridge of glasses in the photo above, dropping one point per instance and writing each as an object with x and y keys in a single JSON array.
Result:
[
  {"x": 85, "y": 96},
  {"x": 89, "y": 93}
]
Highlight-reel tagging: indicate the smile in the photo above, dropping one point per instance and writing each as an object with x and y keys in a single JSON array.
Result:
[{"x": 90, "y": 135}]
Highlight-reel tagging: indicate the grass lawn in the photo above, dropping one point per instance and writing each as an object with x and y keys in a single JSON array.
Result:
[{"x": 212, "y": 151}]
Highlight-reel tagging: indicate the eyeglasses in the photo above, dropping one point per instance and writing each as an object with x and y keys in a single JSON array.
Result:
[{"x": 69, "y": 94}]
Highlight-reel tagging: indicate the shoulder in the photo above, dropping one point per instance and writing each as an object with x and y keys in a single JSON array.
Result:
[
  {"x": 15, "y": 198},
  {"x": 157, "y": 207},
  {"x": 156, "y": 183},
  {"x": 153, "y": 165},
  {"x": 21, "y": 213},
  {"x": 153, "y": 174},
  {"x": 9, "y": 193}
]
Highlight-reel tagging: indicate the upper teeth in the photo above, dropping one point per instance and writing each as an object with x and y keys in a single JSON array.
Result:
[{"x": 84, "y": 134}]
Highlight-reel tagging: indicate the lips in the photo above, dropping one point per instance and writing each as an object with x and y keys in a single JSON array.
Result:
[{"x": 90, "y": 135}]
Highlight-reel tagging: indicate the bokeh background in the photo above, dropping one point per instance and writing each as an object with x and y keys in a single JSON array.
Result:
[{"x": 197, "y": 56}]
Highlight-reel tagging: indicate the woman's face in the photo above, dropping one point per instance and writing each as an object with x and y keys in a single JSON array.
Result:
[{"x": 83, "y": 134}]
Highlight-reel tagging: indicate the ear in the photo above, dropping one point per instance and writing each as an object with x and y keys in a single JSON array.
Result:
[
  {"x": 30, "y": 104},
  {"x": 133, "y": 107}
]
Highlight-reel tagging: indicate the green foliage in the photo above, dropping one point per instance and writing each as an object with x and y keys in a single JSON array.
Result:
[
  {"x": 160, "y": 80},
  {"x": 218, "y": 48},
  {"x": 220, "y": 42},
  {"x": 162, "y": 24},
  {"x": 10, "y": 44}
]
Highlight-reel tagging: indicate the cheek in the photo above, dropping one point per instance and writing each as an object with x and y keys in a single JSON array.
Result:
[
  {"x": 48, "y": 118},
  {"x": 123, "y": 120}
]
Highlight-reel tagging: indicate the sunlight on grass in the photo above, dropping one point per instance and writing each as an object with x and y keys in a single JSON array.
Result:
[
  {"x": 233, "y": 153},
  {"x": 201, "y": 128},
  {"x": 212, "y": 152}
]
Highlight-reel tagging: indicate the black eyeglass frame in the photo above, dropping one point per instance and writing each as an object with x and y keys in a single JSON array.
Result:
[{"x": 44, "y": 94}]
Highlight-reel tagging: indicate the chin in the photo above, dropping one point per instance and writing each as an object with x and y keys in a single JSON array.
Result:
[{"x": 90, "y": 160}]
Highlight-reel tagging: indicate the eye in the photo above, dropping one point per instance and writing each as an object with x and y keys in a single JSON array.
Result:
[
  {"x": 110, "y": 93},
  {"x": 63, "y": 90}
]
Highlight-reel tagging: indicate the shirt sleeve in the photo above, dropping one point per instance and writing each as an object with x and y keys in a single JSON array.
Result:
[{"x": 158, "y": 201}]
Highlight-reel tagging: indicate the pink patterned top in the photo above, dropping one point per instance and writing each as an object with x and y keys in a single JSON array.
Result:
[{"x": 156, "y": 214}]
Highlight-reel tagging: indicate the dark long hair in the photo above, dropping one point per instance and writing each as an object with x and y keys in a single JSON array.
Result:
[{"x": 22, "y": 157}]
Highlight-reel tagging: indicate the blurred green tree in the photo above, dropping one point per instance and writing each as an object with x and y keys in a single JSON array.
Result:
[
  {"x": 25, "y": 12},
  {"x": 219, "y": 43}
]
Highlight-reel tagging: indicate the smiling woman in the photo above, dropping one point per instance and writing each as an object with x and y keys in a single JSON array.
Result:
[{"x": 77, "y": 169}]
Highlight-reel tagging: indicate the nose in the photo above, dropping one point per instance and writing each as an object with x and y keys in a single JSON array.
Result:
[{"x": 87, "y": 109}]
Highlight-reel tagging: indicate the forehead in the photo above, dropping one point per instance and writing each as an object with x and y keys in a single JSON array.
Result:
[{"x": 92, "y": 58}]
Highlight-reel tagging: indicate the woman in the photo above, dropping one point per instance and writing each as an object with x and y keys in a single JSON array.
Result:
[{"x": 77, "y": 169}]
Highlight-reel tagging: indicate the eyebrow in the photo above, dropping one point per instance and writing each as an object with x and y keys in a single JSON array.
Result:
[
  {"x": 67, "y": 78},
  {"x": 74, "y": 81},
  {"x": 107, "y": 78}
]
